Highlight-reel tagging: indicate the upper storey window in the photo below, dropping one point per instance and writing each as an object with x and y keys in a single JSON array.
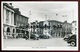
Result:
[{"x": 7, "y": 16}]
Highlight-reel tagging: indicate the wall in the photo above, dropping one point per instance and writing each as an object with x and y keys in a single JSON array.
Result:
[{"x": 74, "y": 28}]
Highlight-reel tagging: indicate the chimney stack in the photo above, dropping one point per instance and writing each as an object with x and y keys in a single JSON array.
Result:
[{"x": 11, "y": 4}]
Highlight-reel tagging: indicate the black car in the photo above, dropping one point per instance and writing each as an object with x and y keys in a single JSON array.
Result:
[
  {"x": 72, "y": 40},
  {"x": 25, "y": 37},
  {"x": 34, "y": 36},
  {"x": 44, "y": 36},
  {"x": 67, "y": 36}
]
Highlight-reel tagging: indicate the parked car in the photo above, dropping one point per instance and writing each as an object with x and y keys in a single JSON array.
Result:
[
  {"x": 44, "y": 36},
  {"x": 25, "y": 37},
  {"x": 34, "y": 36},
  {"x": 72, "y": 40},
  {"x": 66, "y": 37}
]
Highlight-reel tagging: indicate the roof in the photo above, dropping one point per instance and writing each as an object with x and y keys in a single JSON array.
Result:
[
  {"x": 24, "y": 16},
  {"x": 54, "y": 21},
  {"x": 66, "y": 22},
  {"x": 6, "y": 4},
  {"x": 41, "y": 21},
  {"x": 15, "y": 9},
  {"x": 74, "y": 21},
  {"x": 18, "y": 12},
  {"x": 33, "y": 23}
]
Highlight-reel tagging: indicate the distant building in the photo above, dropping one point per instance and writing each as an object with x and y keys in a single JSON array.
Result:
[
  {"x": 8, "y": 20},
  {"x": 59, "y": 29},
  {"x": 54, "y": 28},
  {"x": 20, "y": 21},
  {"x": 67, "y": 28},
  {"x": 41, "y": 27},
  {"x": 45, "y": 29},
  {"x": 74, "y": 27},
  {"x": 35, "y": 27}
]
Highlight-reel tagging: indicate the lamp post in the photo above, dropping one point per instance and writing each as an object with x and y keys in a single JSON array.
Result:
[
  {"x": 29, "y": 25},
  {"x": 45, "y": 25}
]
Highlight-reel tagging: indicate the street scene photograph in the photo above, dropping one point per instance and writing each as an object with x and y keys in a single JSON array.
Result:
[{"x": 39, "y": 25}]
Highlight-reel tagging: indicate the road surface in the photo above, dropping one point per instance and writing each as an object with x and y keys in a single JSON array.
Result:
[{"x": 54, "y": 42}]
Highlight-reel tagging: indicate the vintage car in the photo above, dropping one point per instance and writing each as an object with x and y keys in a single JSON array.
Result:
[
  {"x": 43, "y": 36},
  {"x": 34, "y": 36},
  {"x": 72, "y": 40},
  {"x": 25, "y": 37},
  {"x": 66, "y": 37}
]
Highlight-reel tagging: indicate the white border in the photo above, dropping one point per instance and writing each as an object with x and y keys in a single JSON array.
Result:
[{"x": 38, "y": 48}]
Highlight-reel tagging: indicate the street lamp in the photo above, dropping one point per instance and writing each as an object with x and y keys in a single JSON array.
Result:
[{"x": 29, "y": 25}]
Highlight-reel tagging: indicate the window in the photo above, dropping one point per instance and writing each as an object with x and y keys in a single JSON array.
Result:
[
  {"x": 11, "y": 17},
  {"x": 7, "y": 16},
  {"x": 18, "y": 24},
  {"x": 75, "y": 29},
  {"x": 13, "y": 30},
  {"x": 49, "y": 23},
  {"x": 21, "y": 18},
  {"x": 75, "y": 24},
  {"x": 8, "y": 29},
  {"x": 17, "y": 17}
]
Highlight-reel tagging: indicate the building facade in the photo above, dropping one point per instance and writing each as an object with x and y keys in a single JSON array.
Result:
[
  {"x": 41, "y": 27},
  {"x": 14, "y": 23},
  {"x": 67, "y": 28},
  {"x": 8, "y": 20},
  {"x": 35, "y": 27},
  {"x": 54, "y": 28},
  {"x": 20, "y": 21},
  {"x": 74, "y": 27}
]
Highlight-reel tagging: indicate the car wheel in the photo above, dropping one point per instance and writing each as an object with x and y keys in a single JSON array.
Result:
[
  {"x": 34, "y": 39},
  {"x": 73, "y": 43},
  {"x": 26, "y": 38},
  {"x": 37, "y": 38},
  {"x": 65, "y": 39}
]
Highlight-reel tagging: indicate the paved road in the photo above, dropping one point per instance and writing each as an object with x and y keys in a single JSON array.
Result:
[{"x": 54, "y": 42}]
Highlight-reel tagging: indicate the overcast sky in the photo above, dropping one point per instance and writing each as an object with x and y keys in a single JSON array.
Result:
[{"x": 64, "y": 10}]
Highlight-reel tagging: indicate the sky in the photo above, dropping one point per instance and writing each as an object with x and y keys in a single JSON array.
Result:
[{"x": 64, "y": 10}]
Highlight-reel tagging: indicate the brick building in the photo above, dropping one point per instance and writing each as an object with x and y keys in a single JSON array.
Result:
[{"x": 20, "y": 21}]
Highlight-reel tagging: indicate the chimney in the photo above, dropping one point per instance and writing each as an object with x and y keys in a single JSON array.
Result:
[{"x": 11, "y": 4}]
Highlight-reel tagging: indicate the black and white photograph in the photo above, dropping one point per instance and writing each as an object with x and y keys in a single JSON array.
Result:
[{"x": 39, "y": 25}]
